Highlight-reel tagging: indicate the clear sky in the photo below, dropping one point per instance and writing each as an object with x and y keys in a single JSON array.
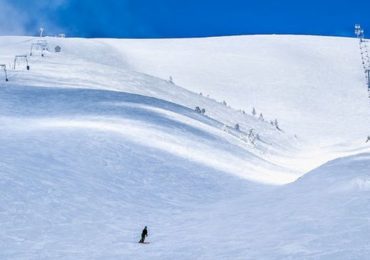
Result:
[{"x": 182, "y": 18}]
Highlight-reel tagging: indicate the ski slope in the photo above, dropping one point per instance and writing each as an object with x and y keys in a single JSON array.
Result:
[
  {"x": 96, "y": 143},
  {"x": 301, "y": 80}
]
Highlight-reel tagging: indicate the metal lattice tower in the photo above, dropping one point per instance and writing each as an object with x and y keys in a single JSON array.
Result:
[{"x": 364, "y": 53}]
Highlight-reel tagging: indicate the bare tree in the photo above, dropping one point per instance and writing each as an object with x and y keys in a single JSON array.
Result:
[{"x": 276, "y": 124}]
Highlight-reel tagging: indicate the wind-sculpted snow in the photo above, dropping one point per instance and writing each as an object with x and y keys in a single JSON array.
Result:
[
  {"x": 323, "y": 215},
  {"x": 349, "y": 174},
  {"x": 145, "y": 120},
  {"x": 80, "y": 166},
  {"x": 93, "y": 148}
]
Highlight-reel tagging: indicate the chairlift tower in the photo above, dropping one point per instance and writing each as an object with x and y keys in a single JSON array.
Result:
[
  {"x": 364, "y": 54},
  {"x": 358, "y": 31}
]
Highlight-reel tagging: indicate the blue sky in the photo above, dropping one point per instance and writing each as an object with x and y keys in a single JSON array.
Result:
[{"x": 182, "y": 18}]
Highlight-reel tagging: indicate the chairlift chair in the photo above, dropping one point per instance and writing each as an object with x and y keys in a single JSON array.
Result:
[
  {"x": 21, "y": 57},
  {"x": 41, "y": 45}
]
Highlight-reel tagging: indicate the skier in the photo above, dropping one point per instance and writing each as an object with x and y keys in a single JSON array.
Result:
[{"x": 143, "y": 235}]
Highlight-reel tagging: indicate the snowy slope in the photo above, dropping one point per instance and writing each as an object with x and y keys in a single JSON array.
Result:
[
  {"x": 82, "y": 171},
  {"x": 94, "y": 145},
  {"x": 301, "y": 80},
  {"x": 323, "y": 215},
  {"x": 79, "y": 67}
]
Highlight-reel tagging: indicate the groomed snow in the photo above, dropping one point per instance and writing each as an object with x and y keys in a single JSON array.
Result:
[{"x": 95, "y": 143}]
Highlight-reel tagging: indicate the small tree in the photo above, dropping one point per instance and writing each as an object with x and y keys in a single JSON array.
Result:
[
  {"x": 237, "y": 127},
  {"x": 203, "y": 111},
  {"x": 252, "y": 136},
  {"x": 254, "y": 113},
  {"x": 170, "y": 80},
  {"x": 261, "y": 117},
  {"x": 224, "y": 102},
  {"x": 197, "y": 109},
  {"x": 276, "y": 124},
  {"x": 368, "y": 139}
]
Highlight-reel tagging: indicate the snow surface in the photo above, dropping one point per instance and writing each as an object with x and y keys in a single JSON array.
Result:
[
  {"x": 301, "y": 80},
  {"x": 96, "y": 143}
]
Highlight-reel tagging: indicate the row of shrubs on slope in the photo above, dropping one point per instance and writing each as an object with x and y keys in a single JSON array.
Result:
[{"x": 247, "y": 135}]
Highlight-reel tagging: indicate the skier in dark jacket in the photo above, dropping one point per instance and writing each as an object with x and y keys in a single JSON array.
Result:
[{"x": 143, "y": 235}]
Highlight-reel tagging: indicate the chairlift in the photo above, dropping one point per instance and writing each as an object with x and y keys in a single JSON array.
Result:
[
  {"x": 18, "y": 58},
  {"x": 41, "y": 45}
]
